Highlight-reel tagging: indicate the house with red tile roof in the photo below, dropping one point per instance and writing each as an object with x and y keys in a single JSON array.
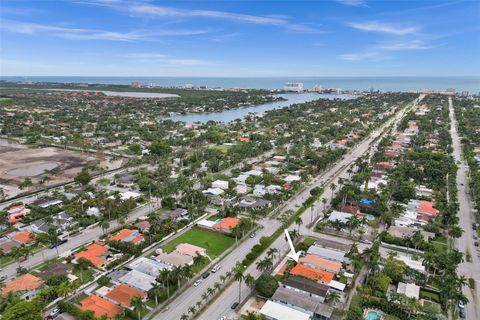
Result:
[
  {"x": 100, "y": 307},
  {"x": 23, "y": 237},
  {"x": 352, "y": 209},
  {"x": 95, "y": 253},
  {"x": 316, "y": 262},
  {"x": 17, "y": 212},
  {"x": 127, "y": 235},
  {"x": 26, "y": 286},
  {"x": 312, "y": 273},
  {"x": 226, "y": 225},
  {"x": 426, "y": 208},
  {"x": 124, "y": 294}
]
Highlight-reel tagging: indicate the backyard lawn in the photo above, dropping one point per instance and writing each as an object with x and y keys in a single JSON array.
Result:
[{"x": 214, "y": 243}]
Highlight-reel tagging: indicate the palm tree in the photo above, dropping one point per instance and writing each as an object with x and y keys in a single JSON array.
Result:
[
  {"x": 299, "y": 222},
  {"x": 192, "y": 310},
  {"x": 64, "y": 289},
  {"x": 264, "y": 264},
  {"x": 272, "y": 252},
  {"x": 239, "y": 277},
  {"x": 324, "y": 201},
  {"x": 137, "y": 304},
  {"x": 105, "y": 225},
  {"x": 223, "y": 278},
  {"x": 184, "y": 317},
  {"x": 333, "y": 186},
  {"x": 198, "y": 304},
  {"x": 81, "y": 265},
  {"x": 217, "y": 286},
  {"x": 210, "y": 291},
  {"x": 250, "y": 281},
  {"x": 163, "y": 278},
  {"x": 333, "y": 297},
  {"x": 53, "y": 238}
]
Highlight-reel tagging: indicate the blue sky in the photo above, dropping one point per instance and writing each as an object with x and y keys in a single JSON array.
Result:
[{"x": 240, "y": 38}]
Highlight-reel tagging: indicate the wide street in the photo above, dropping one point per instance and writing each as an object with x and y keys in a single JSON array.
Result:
[
  {"x": 221, "y": 306},
  {"x": 85, "y": 236},
  {"x": 94, "y": 233},
  {"x": 465, "y": 242}
]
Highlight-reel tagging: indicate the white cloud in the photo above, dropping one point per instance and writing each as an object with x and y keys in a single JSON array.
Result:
[
  {"x": 380, "y": 27},
  {"x": 362, "y": 56},
  {"x": 152, "y": 10},
  {"x": 90, "y": 34},
  {"x": 354, "y": 3},
  {"x": 400, "y": 46}
]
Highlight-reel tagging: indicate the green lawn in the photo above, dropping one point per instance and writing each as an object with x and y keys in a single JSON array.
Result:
[
  {"x": 221, "y": 148},
  {"x": 214, "y": 243}
]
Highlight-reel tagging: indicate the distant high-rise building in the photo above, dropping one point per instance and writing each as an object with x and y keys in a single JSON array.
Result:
[
  {"x": 317, "y": 88},
  {"x": 293, "y": 86}
]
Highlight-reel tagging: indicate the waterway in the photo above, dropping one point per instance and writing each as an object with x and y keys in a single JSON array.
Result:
[{"x": 239, "y": 113}]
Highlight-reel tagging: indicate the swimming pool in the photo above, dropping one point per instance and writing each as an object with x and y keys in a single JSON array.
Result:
[{"x": 372, "y": 315}]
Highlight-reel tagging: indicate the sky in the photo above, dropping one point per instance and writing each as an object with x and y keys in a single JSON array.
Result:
[{"x": 239, "y": 38}]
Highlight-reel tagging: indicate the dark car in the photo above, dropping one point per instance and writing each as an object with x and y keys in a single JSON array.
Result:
[
  {"x": 461, "y": 313},
  {"x": 234, "y": 306},
  {"x": 205, "y": 275}
]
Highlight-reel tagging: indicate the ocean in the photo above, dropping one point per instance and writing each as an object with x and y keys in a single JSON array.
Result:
[{"x": 470, "y": 84}]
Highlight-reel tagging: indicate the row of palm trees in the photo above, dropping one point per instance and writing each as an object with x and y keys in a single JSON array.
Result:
[{"x": 237, "y": 274}]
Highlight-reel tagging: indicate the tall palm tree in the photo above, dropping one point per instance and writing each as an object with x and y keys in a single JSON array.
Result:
[
  {"x": 239, "y": 277},
  {"x": 272, "y": 253},
  {"x": 324, "y": 201},
  {"x": 184, "y": 317},
  {"x": 137, "y": 304},
  {"x": 81, "y": 265},
  {"x": 333, "y": 186},
  {"x": 299, "y": 222}
]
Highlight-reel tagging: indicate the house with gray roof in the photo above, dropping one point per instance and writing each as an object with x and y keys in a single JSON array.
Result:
[
  {"x": 328, "y": 254},
  {"x": 302, "y": 301}
]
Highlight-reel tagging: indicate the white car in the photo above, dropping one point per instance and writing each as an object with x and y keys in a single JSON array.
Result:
[
  {"x": 197, "y": 283},
  {"x": 216, "y": 268}
]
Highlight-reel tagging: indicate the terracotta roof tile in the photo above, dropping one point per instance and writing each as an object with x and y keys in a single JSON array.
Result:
[
  {"x": 100, "y": 306},
  {"x": 26, "y": 282},
  {"x": 227, "y": 223},
  {"x": 23, "y": 237},
  {"x": 124, "y": 294},
  {"x": 313, "y": 274},
  {"x": 321, "y": 263}
]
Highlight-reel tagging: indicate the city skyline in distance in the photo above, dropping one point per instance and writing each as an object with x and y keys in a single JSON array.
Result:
[{"x": 239, "y": 39}]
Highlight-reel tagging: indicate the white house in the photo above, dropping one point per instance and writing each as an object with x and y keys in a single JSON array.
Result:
[{"x": 221, "y": 184}]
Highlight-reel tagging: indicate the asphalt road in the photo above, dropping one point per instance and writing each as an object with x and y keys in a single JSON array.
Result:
[
  {"x": 221, "y": 306},
  {"x": 465, "y": 242},
  {"x": 85, "y": 236}
]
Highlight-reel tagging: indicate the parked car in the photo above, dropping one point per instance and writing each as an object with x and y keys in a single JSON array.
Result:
[
  {"x": 205, "y": 275},
  {"x": 253, "y": 235},
  {"x": 197, "y": 283},
  {"x": 462, "y": 314},
  {"x": 3, "y": 278},
  {"x": 234, "y": 306},
  {"x": 216, "y": 268},
  {"x": 55, "y": 313},
  {"x": 461, "y": 305},
  {"x": 366, "y": 241}
]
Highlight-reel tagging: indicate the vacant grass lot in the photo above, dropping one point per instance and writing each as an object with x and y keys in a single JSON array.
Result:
[{"x": 214, "y": 243}]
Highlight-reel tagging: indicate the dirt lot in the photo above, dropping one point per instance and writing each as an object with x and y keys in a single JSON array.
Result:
[{"x": 50, "y": 165}]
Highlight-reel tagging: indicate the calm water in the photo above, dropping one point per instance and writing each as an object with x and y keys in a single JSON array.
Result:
[
  {"x": 471, "y": 84},
  {"x": 240, "y": 113}
]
